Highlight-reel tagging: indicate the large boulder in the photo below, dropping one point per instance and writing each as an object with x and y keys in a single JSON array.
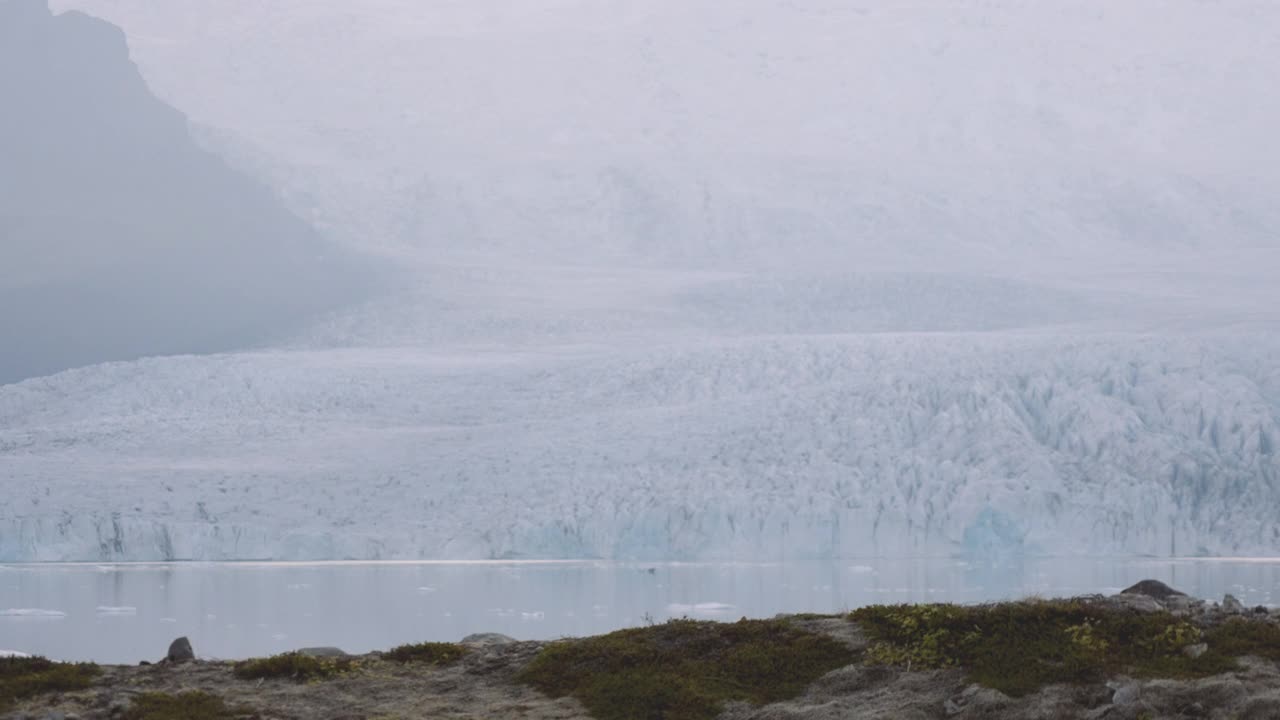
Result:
[
  {"x": 1152, "y": 589},
  {"x": 487, "y": 639},
  {"x": 323, "y": 652},
  {"x": 180, "y": 651}
]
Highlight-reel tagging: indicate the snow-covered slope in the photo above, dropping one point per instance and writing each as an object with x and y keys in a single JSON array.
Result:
[
  {"x": 760, "y": 448},
  {"x": 749, "y": 132}
]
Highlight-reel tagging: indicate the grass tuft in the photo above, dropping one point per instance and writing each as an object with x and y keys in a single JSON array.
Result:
[
  {"x": 23, "y": 678},
  {"x": 1019, "y": 647},
  {"x": 293, "y": 666},
  {"x": 685, "y": 669},
  {"x": 431, "y": 653},
  {"x": 193, "y": 705}
]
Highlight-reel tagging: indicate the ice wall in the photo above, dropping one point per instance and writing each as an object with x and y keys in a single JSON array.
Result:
[{"x": 779, "y": 448}]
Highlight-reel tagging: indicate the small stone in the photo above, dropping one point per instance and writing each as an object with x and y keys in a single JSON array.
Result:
[
  {"x": 1152, "y": 589},
  {"x": 323, "y": 652},
  {"x": 487, "y": 639},
  {"x": 1260, "y": 610},
  {"x": 1184, "y": 605},
  {"x": 180, "y": 651},
  {"x": 951, "y": 707},
  {"x": 1231, "y": 605},
  {"x": 144, "y": 663},
  {"x": 1195, "y": 710},
  {"x": 1137, "y": 603},
  {"x": 1195, "y": 651},
  {"x": 1127, "y": 694}
]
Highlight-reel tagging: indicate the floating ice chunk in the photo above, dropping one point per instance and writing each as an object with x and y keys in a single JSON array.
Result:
[
  {"x": 116, "y": 610},
  {"x": 300, "y": 586},
  {"x": 861, "y": 569},
  {"x": 706, "y": 608},
  {"x": 168, "y": 620},
  {"x": 536, "y": 615},
  {"x": 35, "y": 613},
  {"x": 425, "y": 590}
]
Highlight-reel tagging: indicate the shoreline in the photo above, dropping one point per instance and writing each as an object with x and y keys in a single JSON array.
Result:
[{"x": 1147, "y": 652}]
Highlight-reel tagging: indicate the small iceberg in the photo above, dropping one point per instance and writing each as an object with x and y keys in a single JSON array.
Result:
[
  {"x": 104, "y": 610},
  {"x": 13, "y": 654},
  {"x": 35, "y": 613},
  {"x": 706, "y": 608}
]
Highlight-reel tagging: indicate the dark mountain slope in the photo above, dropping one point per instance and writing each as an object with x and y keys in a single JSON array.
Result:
[{"x": 119, "y": 237}]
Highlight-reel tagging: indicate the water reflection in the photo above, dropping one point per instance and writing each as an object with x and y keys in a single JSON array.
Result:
[{"x": 126, "y": 613}]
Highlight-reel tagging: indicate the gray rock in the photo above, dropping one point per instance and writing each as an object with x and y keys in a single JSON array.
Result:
[
  {"x": 1195, "y": 651},
  {"x": 487, "y": 639},
  {"x": 323, "y": 652},
  {"x": 1184, "y": 605},
  {"x": 1231, "y": 605},
  {"x": 180, "y": 651},
  {"x": 1126, "y": 695},
  {"x": 1137, "y": 603},
  {"x": 951, "y": 707},
  {"x": 1152, "y": 589}
]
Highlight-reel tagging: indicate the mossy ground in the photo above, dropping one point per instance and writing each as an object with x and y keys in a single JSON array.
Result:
[
  {"x": 191, "y": 705},
  {"x": 22, "y": 678},
  {"x": 429, "y": 653},
  {"x": 293, "y": 666},
  {"x": 1019, "y": 647},
  {"x": 684, "y": 669}
]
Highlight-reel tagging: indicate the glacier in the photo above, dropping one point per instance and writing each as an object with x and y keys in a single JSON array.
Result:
[
  {"x": 979, "y": 278},
  {"x": 763, "y": 447}
]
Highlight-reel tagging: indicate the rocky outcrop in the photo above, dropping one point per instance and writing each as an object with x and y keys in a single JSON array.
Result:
[
  {"x": 483, "y": 683},
  {"x": 119, "y": 237}
]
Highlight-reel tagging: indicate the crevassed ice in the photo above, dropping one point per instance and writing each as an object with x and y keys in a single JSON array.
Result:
[{"x": 756, "y": 448}]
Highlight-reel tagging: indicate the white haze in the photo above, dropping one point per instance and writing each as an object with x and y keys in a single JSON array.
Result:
[{"x": 696, "y": 279}]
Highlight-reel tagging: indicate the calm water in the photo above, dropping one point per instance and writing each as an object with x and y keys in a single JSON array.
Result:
[{"x": 126, "y": 613}]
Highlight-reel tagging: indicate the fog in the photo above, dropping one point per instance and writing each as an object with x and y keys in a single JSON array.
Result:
[{"x": 641, "y": 278}]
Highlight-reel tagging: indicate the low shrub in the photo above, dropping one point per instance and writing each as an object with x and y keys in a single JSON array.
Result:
[
  {"x": 193, "y": 705},
  {"x": 293, "y": 666},
  {"x": 431, "y": 653},
  {"x": 685, "y": 669},
  {"x": 1019, "y": 647},
  {"x": 23, "y": 678}
]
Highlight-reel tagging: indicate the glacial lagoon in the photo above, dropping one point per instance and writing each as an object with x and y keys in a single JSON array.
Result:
[{"x": 124, "y": 613}]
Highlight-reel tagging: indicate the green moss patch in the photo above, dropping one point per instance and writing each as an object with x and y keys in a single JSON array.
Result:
[
  {"x": 23, "y": 678},
  {"x": 293, "y": 666},
  {"x": 684, "y": 669},
  {"x": 430, "y": 653},
  {"x": 1238, "y": 637},
  {"x": 1019, "y": 647},
  {"x": 192, "y": 705}
]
